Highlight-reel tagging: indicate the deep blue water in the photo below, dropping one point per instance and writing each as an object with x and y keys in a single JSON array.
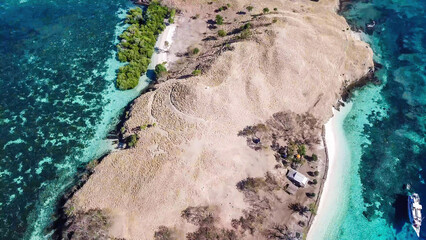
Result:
[
  {"x": 386, "y": 126},
  {"x": 57, "y": 102}
]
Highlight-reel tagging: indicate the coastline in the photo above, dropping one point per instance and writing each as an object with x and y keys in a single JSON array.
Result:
[
  {"x": 59, "y": 225},
  {"x": 162, "y": 56},
  {"x": 338, "y": 159}
]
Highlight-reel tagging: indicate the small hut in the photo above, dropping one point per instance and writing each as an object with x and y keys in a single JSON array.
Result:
[{"x": 298, "y": 178}]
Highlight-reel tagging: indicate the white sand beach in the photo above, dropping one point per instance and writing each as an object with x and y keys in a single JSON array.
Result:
[
  {"x": 166, "y": 36},
  {"x": 335, "y": 192}
]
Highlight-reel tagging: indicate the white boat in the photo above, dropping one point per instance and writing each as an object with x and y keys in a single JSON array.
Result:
[{"x": 415, "y": 212}]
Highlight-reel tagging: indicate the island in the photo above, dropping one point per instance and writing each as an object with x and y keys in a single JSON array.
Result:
[{"x": 229, "y": 142}]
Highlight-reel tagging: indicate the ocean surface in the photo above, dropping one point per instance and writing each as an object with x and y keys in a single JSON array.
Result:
[
  {"x": 58, "y": 102},
  {"x": 386, "y": 125}
]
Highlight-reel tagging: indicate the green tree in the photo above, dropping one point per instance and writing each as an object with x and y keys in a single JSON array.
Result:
[
  {"x": 132, "y": 140},
  {"x": 160, "y": 71},
  {"x": 219, "y": 19},
  {"x": 221, "y": 33},
  {"x": 172, "y": 16},
  {"x": 301, "y": 149},
  {"x": 249, "y": 8},
  {"x": 137, "y": 42},
  {"x": 265, "y": 10},
  {"x": 275, "y": 9}
]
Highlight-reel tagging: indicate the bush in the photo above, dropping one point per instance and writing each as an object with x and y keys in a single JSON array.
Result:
[
  {"x": 249, "y": 8},
  {"x": 92, "y": 164},
  {"x": 132, "y": 140},
  {"x": 245, "y": 34},
  {"x": 274, "y": 20},
  {"x": 275, "y": 9},
  {"x": 221, "y": 33},
  {"x": 301, "y": 149},
  {"x": 219, "y": 20},
  {"x": 247, "y": 26},
  {"x": 314, "y": 182},
  {"x": 196, "y": 72},
  {"x": 316, "y": 173},
  {"x": 313, "y": 208},
  {"x": 160, "y": 71},
  {"x": 172, "y": 14},
  {"x": 138, "y": 41},
  {"x": 265, "y": 10},
  {"x": 310, "y": 195},
  {"x": 195, "y": 51},
  {"x": 251, "y": 184},
  {"x": 314, "y": 157}
]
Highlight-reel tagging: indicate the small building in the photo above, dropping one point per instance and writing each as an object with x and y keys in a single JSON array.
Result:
[{"x": 297, "y": 177}]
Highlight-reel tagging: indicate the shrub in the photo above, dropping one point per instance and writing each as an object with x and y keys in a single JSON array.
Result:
[
  {"x": 314, "y": 157},
  {"x": 221, "y": 33},
  {"x": 172, "y": 14},
  {"x": 219, "y": 20},
  {"x": 313, "y": 208},
  {"x": 316, "y": 173},
  {"x": 132, "y": 140},
  {"x": 314, "y": 182},
  {"x": 251, "y": 184},
  {"x": 265, "y": 10},
  {"x": 249, "y": 8},
  {"x": 247, "y": 26},
  {"x": 301, "y": 149},
  {"x": 160, "y": 71},
  {"x": 92, "y": 164},
  {"x": 310, "y": 195},
  {"x": 163, "y": 233},
  {"x": 195, "y": 51},
  {"x": 196, "y": 72},
  {"x": 274, "y": 20},
  {"x": 245, "y": 34},
  {"x": 275, "y": 9},
  {"x": 228, "y": 5}
]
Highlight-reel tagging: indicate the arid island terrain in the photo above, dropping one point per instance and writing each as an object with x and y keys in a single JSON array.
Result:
[{"x": 243, "y": 102}]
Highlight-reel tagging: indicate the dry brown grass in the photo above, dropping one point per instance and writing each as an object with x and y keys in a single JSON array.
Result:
[{"x": 194, "y": 156}]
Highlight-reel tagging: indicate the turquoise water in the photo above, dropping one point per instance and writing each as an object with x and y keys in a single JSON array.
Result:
[
  {"x": 385, "y": 128},
  {"x": 57, "y": 102}
]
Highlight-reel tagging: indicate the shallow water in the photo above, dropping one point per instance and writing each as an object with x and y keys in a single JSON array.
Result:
[
  {"x": 57, "y": 102},
  {"x": 385, "y": 128}
]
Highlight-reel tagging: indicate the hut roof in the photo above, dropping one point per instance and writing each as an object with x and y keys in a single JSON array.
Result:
[{"x": 297, "y": 176}]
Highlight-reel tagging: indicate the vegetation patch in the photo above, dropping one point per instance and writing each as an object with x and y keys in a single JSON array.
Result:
[
  {"x": 205, "y": 220},
  {"x": 164, "y": 233},
  {"x": 92, "y": 224},
  {"x": 160, "y": 71},
  {"x": 132, "y": 140},
  {"x": 138, "y": 41},
  {"x": 196, "y": 72},
  {"x": 219, "y": 19},
  {"x": 221, "y": 33}
]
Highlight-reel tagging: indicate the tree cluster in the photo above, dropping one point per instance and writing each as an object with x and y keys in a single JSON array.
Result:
[{"x": 138, "y": 41}]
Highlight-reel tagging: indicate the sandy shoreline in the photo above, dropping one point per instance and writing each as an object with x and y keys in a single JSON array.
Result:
[
  {"x": 162, "y": 49},
  {"x": 334, "y": 192},
  {"x": 191, "y": 113}
]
